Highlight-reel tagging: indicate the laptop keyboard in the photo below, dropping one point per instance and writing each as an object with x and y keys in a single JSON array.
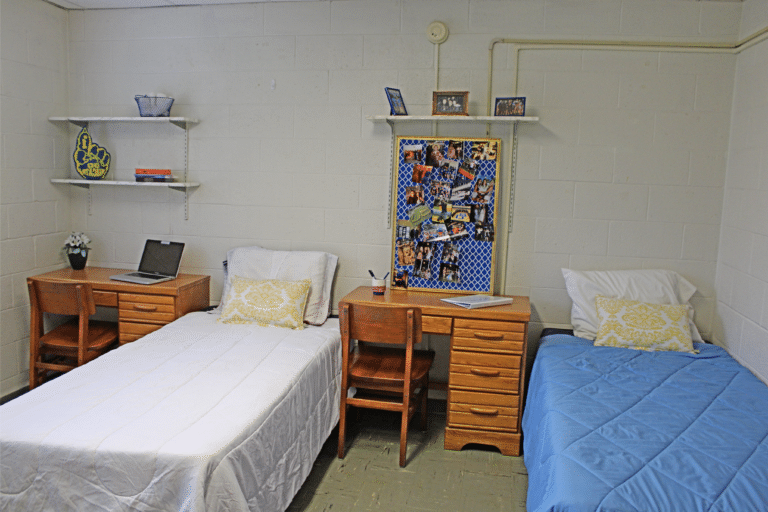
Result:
[{"x": 146, "y": 276}]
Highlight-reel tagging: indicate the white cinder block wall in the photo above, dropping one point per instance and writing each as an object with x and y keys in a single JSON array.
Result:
[
  {"x": 742, "y": 270},
  {"x": 34, "y": 215},
  {"x": 626, "y": 168}
]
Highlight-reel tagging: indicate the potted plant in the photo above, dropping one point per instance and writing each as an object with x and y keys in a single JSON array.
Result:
[{"x": 76, "y": 247}]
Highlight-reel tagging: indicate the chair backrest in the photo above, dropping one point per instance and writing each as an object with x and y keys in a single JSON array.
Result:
[
  {"x": 381, "y": 324},
  {"x": 61, "y": 298}
]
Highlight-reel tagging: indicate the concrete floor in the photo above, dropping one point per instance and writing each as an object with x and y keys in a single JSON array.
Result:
[{"x": 476, "y": 479}]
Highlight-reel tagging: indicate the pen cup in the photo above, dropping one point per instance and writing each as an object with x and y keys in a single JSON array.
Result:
[{"x": 379, "y": 286}]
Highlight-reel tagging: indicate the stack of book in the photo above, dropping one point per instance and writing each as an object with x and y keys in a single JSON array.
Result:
[{"x": 154, "y": 175}]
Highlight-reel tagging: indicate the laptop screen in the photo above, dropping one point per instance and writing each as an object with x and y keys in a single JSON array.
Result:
[{"x": 161, "y": 257}]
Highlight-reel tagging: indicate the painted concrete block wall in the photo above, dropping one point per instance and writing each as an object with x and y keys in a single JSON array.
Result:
[
  {"x": 742, "y": 271},
  {"x": 624, "y": 170},
  {"x": 34, "y": 215}
]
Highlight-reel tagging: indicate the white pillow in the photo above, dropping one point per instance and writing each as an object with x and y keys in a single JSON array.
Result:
[
  {"x": 262, "y": 264},
  {"x": 652, "y": 286}
]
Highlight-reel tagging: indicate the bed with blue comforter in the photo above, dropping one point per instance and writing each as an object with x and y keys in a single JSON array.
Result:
[{"x": 615, "y": 429}]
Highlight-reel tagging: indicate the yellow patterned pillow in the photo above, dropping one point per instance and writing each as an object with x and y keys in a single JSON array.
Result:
[
  {"x": 265, "y": 303},
  {"x": 643, "y": 326}
]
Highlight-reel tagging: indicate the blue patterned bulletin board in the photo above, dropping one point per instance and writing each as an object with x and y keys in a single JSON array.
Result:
[{"x": 445, "y": 211}]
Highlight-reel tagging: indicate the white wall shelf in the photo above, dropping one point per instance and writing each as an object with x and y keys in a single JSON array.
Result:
[
  {"x": 454, "y": 119},
  {"x": 182, "y": 122},
  {"x": 175, "y": 185},
  {"x": 184, "y": 186}
]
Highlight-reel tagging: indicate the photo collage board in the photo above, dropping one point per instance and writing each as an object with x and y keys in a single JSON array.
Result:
[{"x": 445, "y": 212}]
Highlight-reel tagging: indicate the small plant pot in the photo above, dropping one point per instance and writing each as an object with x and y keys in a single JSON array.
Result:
[{"x": 78, "y": 259}]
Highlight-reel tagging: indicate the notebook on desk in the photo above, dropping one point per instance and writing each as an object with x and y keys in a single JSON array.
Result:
[{"x": 159, "y": 262}]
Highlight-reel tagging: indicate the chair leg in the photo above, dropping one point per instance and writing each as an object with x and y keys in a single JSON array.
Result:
[
  {"x": 403, "y": 436},
  {"x": 32, "y": 377},
  {"x": 424, "y": 405},
  {"x": 342, "y": 429}
]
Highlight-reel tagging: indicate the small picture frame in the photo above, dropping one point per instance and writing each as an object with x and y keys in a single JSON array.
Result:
[
  {"x": 396, "y": 103},
  {"x": 509, "y": 107},
  {"x": 450, "y": 103}
]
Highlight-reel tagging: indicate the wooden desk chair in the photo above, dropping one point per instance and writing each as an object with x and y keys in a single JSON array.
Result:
[
  {"x": 71, "y": 344},
  {"x": 391, "y": 374}
]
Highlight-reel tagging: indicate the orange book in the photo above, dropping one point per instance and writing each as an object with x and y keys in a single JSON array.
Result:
[{"x": 155, "y": 172}]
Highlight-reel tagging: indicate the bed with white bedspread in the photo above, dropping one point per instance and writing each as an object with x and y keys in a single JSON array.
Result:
[{"x": 198, "y": 416}]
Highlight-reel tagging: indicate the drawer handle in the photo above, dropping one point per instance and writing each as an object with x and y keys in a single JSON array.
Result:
[
  {"x": 484, "y": 412},
  {"x": 489, "y": 337},
  {"x": 145, "y": 307},
  {"x": 484, "y": 373}
]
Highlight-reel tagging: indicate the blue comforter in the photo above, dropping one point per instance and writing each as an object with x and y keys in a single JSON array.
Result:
[{"x": 613, "y": 429}]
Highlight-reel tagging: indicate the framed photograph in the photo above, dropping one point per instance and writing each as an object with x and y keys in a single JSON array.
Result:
[
  {"x": 450, "y": 103},
  {"x": 396, "y": 104},
  {"x": 509, "y": 107}
]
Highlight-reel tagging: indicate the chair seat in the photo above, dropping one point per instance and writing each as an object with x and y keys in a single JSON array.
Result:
[
  {"x": 63, "y": 339},
  {"x": 385, "y": 365}
]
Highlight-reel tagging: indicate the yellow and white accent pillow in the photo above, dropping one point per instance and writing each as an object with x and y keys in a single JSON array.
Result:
[
  {"x": 266, "y": 303},
  {"x": 643, "y": 326}
]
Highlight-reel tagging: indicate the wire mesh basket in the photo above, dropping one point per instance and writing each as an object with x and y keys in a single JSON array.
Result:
[{"x": 154, "y": 106}]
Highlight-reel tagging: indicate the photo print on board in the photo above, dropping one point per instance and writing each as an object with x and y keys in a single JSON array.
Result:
[
  {"x": 484, "y": 150},
  {"x": 423, "y": 263},
  {"x": 468, "y": 169},
  {"x": 413, "y": 153},
  {"x": 420, "y": 172},
  {"x": 461, "y": 213},
  {"x": 440, "y": 189},
  {"x": 448, "y": 170},
  {"x": 400, "y": 279},
  {"x": 434, "y": 232},
  {"x": 479, "y": 213},
  {"x": 482, "y": 192},
  {"x": 461, "y": 188},
  {"x": 454, "y": 150},
  {"x": 484, "y": 232},
  {"x": 414, "y": 195},
  {"x": 435, "y": 154},
  {"x": 406, "y": 252},
  {"x": 456, "y": 230},
  {"x": 441, "y": 211},
  {"x": 449, "y": 264},
  {"x": 418, "y": 214},
  {"x": 406, "y": 230}
]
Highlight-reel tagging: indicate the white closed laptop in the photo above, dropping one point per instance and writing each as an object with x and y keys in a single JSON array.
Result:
[{"x": 159, "y": 262}]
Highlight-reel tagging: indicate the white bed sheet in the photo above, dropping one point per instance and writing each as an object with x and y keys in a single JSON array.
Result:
[{"x": 198, "y": 416}]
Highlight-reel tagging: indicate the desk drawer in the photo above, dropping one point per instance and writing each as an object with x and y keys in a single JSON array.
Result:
[
  {"x": 488, "y": 335},
  {"x": 157, "y": 309},
  {"x": 472, "y": 409},
  {"x": 131, "y": 331},
  {"x": 505, "y": 380},
  {"x": 436, "y": 324},
  {"x": 107, "y": 299}
]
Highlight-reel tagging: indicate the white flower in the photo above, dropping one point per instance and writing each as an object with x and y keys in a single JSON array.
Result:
[{"x": 76, "y": 242}]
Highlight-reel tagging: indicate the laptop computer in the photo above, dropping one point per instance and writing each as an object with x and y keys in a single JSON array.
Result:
[{"x": 159, "y": 262}]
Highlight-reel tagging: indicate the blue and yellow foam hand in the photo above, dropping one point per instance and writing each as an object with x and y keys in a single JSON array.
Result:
[{"x": 91, "y": 160}]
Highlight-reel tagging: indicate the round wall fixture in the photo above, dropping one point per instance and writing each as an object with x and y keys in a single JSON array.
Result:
[{"x": 437, "y": 32}]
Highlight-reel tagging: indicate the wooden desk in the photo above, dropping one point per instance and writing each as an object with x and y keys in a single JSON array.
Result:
[
  {"x": 141, "y": 308},
  {"x": 486, "y": 381}
]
